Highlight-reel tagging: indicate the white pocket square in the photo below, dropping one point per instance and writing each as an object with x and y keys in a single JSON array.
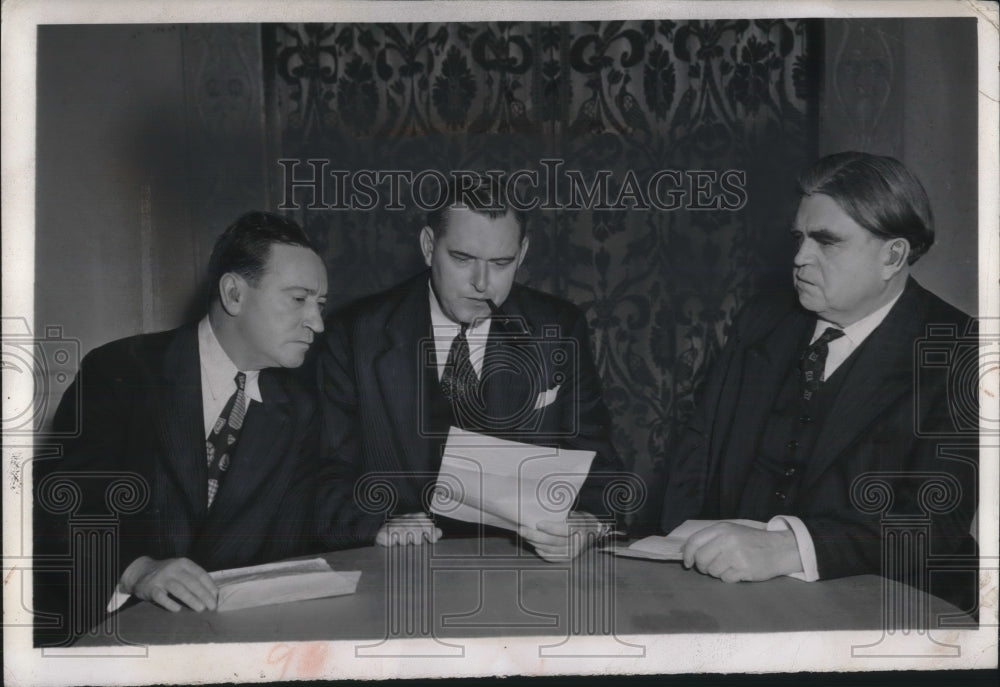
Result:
[{"x": 547, "y": 397}]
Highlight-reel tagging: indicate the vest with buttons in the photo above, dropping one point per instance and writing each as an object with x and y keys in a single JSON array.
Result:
[{"x": 786, "y": 444}]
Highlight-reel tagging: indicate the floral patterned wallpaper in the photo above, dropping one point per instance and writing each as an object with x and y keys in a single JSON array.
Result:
[{"x": 659, "y": 287}]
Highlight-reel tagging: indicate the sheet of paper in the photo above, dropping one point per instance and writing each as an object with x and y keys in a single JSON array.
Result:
[
  {"x": 505, "y": 483},
  {"x": 670, "y": 547},
  {"x": 282, "y": 582},
  {"x": 269, "y": 570}
]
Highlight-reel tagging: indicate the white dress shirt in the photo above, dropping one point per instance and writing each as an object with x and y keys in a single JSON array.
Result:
[
  {"x": 218, "y": 376},
  {"x": 445, "y": 331},
  {"x": 838, "y": 351},
  {"x": 218, "y": 384}
]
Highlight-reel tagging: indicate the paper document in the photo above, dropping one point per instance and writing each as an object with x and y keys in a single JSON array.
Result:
[
  {"x": 670, "y": 547},
  {"x": 506, "y": 483},
  {"x": 273, "y": 583}
]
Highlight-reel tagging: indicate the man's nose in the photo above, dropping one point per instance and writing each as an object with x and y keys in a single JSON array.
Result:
[
  {"x": 803, "y": 255},
  {"x": 314, "y": 319},
  {"x": 480, "y": 276}
]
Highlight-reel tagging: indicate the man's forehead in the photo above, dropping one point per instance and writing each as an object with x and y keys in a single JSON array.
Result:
[
  {"x": 820, "y": 214},
  {"x": 481, "y": 236},
  {"x": 294, "y": 266}
]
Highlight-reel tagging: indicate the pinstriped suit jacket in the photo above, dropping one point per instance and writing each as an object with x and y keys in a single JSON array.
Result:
[
  {"x": 370, "y": 365},
  {"x": 140, "y": 414}
]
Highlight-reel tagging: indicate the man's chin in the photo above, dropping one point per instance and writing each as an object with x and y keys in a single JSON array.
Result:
[
  {"x": 293, "y": 360},
  {"x": 809, "y": 302}
]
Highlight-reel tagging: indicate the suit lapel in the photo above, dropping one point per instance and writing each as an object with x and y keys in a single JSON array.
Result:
[
  {"x": 398, "y": 369},
  {"x": 766, "y": 364},
  {"x": 179, "y": 422},
  {"x": 880, "y": 374},
  {"x": 513, "y": 372}
]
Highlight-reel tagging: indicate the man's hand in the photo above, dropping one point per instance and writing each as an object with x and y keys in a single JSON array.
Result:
[
  {"x": 555, "y": 541},
  {"x": 411, "y": 528},
  {"x": 737, "y": 553},
  {"x": 181, "y": 578}
]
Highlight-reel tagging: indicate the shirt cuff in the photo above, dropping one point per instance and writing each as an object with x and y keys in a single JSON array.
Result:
[
  {"x": 120, "y": 596},
  {"x": 804, "y": 542},
  {"x": 118, "y": 599}
]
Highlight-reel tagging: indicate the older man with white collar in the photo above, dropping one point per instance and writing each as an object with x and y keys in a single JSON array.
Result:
[{"x": 815, "y": 392}]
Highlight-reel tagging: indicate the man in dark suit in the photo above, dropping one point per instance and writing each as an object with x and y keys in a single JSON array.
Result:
[
  {"x": 461, "y": 345},
  {"x": 814, "y": 402},
  {"x": 218, "y": 437}
]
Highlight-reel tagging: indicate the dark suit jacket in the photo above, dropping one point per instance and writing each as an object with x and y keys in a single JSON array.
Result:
[
  {"x": 880, "y": 421},
  {"x": 369, "y": 370},
  {"x": 140, "y": 414}
]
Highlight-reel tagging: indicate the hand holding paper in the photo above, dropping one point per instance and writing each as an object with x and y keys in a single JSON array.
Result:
[
  {"x": 736, "y": 553},
  {"x": 671, "y": 547},
  {"x": 555, "y": 541},
  {"x": 509, "y": 484},
  {"x": 168, "y": 581},
  {"x": 732, "y": 550}
]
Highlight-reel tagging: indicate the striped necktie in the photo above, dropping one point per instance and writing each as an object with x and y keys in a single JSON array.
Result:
[
  {"x": 221, "y": 444},
  {"x": 458, "y": 380},
  {"x": 813, "y": 362}
]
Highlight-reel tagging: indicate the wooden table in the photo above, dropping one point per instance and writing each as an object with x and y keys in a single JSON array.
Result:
[{"x": 493, "y": 587}]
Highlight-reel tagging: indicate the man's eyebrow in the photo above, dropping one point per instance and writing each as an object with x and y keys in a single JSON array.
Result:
[
  {"x": 462, "y": 254},
  {"x": 300, "y": 288},
  {"x": 818, "y": 233}
]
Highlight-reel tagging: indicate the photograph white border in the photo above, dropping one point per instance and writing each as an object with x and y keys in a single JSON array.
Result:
[{"x": 666, "y": 654}]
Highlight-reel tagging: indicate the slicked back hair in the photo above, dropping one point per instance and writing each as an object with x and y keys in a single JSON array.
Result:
[
  {"x": 245, "y": 247},
  {"x": 482, "y": 194},
  {"x": 878, "y": 193}
]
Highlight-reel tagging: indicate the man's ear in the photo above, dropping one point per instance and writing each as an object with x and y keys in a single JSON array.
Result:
[
  {"x": 427, "y": 244},
  {"x": 232, "y": 289},
  {"x": 897, "y": 253},
  {"x": 523, "y": 252}
]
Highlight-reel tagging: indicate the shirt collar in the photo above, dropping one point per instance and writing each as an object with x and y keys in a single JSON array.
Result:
[
  {"x": 218, "y": 370},
  {"x": 859, "y": 331}
]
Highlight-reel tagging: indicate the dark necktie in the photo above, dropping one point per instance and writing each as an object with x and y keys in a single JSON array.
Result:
[
  {"x": 459, "y": 380},
  {"x": 221, "y": 444},
  {"x": 814, "y": 361}
]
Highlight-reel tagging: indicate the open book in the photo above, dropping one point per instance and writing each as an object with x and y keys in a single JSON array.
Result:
[
  {"x": 670, "y": 547},
  {"x": 275, "y": 583}
]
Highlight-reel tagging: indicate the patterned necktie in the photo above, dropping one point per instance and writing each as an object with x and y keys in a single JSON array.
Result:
[
  {"x": 459, "y": 380},
  {"x": 221, "y": 444},
  {"x": 813, "y": 361}
]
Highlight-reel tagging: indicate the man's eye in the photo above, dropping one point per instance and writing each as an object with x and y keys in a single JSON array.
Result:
[{"x": 502, "y": 263}]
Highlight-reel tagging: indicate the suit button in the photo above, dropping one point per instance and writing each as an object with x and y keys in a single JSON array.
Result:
[
  {"x": 789, "y": 472},
  {"x": 792, "y": 444},
  {"x": 805, "y": 419},
  {"x": 780, "y": 495}
]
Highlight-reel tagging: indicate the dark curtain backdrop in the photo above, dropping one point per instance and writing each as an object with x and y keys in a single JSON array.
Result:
[{"x": 659, "y": 287}]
